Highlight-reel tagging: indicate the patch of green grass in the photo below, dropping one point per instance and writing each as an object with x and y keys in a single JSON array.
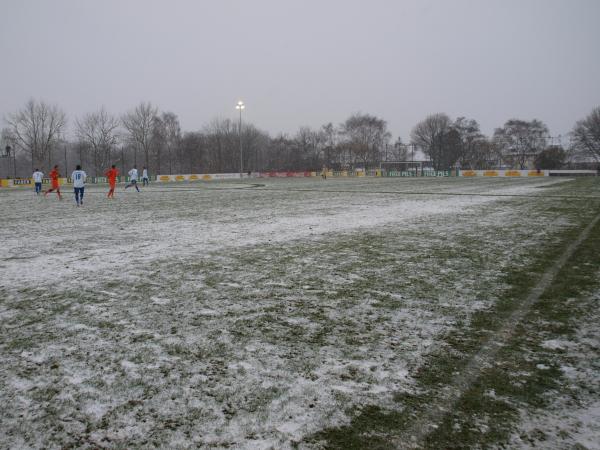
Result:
[
  {"x": 45, "y": 393},
  {"x": 370, "y": 429},
  {"x": 108, "y": 325},
  {"x": 20, "y": 343}
]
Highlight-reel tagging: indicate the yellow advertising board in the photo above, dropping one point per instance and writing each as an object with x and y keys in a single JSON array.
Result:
[
  {"x": 468, "y": 173},
  {"x": 512, "y": 173},
  {"x": 490, "y": 173},
  {"x": 535, "y": 173}
]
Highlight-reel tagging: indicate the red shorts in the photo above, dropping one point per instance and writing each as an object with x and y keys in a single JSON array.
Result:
[{"x": 55, "y": 184}]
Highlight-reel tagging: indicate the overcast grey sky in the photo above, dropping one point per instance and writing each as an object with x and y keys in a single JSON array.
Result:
[{"x": 307, "y": 62}]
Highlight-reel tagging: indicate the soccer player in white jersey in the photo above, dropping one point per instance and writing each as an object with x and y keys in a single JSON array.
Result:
[
  {"x": 145, "y": 177},
  {"x": 37, "y": 179},
  {"x": 78, "y": 177},
  {"x": 133, "y": 176}
]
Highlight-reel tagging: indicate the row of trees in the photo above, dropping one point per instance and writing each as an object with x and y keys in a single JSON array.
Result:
[
  {"x": 517, "y": 144},
  {"x": 152, "y": 138}
]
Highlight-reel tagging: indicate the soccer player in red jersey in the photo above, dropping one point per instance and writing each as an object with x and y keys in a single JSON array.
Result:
[
  {"x": 54, "y": 175},
  {"x": 112, "y": 175}
]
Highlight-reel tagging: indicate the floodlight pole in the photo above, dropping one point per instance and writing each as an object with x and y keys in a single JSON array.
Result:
[{"x": 240, "y": 105}]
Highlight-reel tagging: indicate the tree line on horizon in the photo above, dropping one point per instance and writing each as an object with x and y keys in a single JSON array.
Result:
[{"x": 145, "y": 136}]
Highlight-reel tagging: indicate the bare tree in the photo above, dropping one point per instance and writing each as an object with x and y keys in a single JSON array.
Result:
[
  {"x": 329, "y": 133},
  {"x": 586, "y": 135},
  {"x": 254, "y": 142},
  {"x": 553, "y": 157},
  {"x": 431, "y": 136},
  {"x": 304, "y": 143},
  {"x": 158, "y": 143},
  {"x": 483, "y": 154},
  {"x": 470, "y": 141},
  {"x": 172, "y": 133},
  {"x": 282, "y": 154},
  {"x": 309, "y": 145},
  {"x": 165, "y": 140},
  {"x": 139, "y": 126},
  {"x": 192, "y": 149},
  {"x": 397, "y": 152},
  {"x": 222, "y": 145},
  {"x": 365, "y": 136},
  {"x": 521, "y": 141},
  {"x": 97, "y": 131},
  {"x": 36, "y": 128}
]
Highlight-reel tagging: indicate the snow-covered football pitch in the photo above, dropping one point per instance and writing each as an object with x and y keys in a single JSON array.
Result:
[{"x": 366, "y": 313}]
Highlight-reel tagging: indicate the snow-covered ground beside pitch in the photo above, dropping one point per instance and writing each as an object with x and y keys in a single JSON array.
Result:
[{"x": 237, "y": 315}]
